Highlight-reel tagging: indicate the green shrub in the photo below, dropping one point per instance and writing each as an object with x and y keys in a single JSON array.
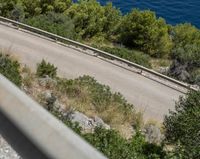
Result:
[
  {"x": 56, "y": 23},
  {"x": 17, "y": 13},
  {"x": 45, "y": 68},
  {"x": 182, "y": 126},
  {"x": 36, "y": 7},
  {"x": 114, "y": 146},
  {"x": 143, "y": 30},
  {"x": 10, "y": 69},
  {"x": 185, "y": 53},
  {"x": 6, "y": 6},
  {"x": 131, "y": 55}
]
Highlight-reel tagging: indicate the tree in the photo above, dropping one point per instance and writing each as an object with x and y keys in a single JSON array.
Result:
[
  {"x": 58, "y": 6},
  {"x": 141, "y": 29},
  {"x": 36, "y": 7},
  {"x": 185, "y": 52},
  {"x": 185, "y": 34},
  {"x": 113, "y": 19},
  {"x": 88, "y": 16},
  {"x": 10, "y": 69},
  {"x": 62, "y": 5},
  {"x": 17, "y": 13},
  {"x": 31, "y": 7},
  {"x": 6, "y": 6},
  {"x": 182, "y": 126}
]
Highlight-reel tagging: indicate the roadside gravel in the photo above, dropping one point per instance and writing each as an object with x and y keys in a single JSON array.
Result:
[{"x": 6, "y": 152}]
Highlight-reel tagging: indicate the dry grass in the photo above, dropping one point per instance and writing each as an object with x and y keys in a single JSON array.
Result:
[{"x": 117, "y": 112}]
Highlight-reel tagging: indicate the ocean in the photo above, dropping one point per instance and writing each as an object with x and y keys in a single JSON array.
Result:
[{"x": 173, "y": 11}]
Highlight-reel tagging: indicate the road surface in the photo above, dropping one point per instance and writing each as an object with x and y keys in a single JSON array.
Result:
[{"x": 153, "y": 98}]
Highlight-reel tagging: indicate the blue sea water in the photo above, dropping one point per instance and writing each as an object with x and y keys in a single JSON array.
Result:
[{"x": 174, "y": 11}]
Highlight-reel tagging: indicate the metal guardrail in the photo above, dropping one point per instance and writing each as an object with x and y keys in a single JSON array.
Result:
[
  {"x": 35, "y": 133},
  {"x": 99, "y": 52}
]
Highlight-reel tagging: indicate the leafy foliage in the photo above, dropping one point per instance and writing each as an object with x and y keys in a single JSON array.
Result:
[
  {"x": 185, "y": 34},
  {"x": 143, "y": 30},
  {"x": 17, "y": 13},
  {"x": 45, "y": 68},
  {"x": 36, "y": 7},
  {"x": 90, "y": 18},
  {"x": 93, "y": 19},
  {"x": 113, "y": 20},
  {"x": 6, "y": 6},
  {"x": 186, "y": 39},
  {"x": 113, "y": 145},
  {"x": 182, "y": 126},
  {"x": 186, "y": 51},
  {"x": 10, "y": 69},
  {"x": 55, "y": 23},
  {"x": 116, "y": 147}
]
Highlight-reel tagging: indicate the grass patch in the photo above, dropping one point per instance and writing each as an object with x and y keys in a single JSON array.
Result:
[{"x": 93, "y": 98}]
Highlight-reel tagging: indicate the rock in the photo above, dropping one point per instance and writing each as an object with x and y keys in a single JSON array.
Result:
[
  {"x": 152, "y": 134},
  {"x": 179, "y": 71},
  {"x": 100, "y": 123},
  {"x": 86, "y": 123},
  {"x": 49, "y": 99},
  {"x": 184, "y": 75},
  {"x": 47, "y": 82},
  {"x": 57, "y": 106},
  {"x": 163, "y": 70}
]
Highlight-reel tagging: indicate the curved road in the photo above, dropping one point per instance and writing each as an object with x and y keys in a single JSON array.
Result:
[{"x": 147, "y": 95}]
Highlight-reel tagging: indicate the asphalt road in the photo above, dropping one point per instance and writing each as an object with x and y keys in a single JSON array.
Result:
[{"x": 153, "y": 98}]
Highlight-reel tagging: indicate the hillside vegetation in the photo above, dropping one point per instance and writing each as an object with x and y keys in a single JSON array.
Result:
[
  {"x": 138, "y": 36},
  {"x": 181, "y": 127}
]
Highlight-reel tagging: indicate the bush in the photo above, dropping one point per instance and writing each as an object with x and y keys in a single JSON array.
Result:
[
  {"x": 142, "y": 29},
  {"x": 115, "y": 146},
  {"x": 17, "y": 13},
  {"x": 93, "y": 19},
  {"x": 90, "y": 18},
  {"x": 182, "y": 126},
  {"x": 185, "y": 34},
  {"x": 131, "y": 55},
  {"x": 185, "y": 53},
  {"x": 56, "y": 23},
  {"x": 45, "y": 68},
  {"x": 6, "y": 6},
  {"x": 37, "y": 7},
  {"x": 10, "y": 69}
]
